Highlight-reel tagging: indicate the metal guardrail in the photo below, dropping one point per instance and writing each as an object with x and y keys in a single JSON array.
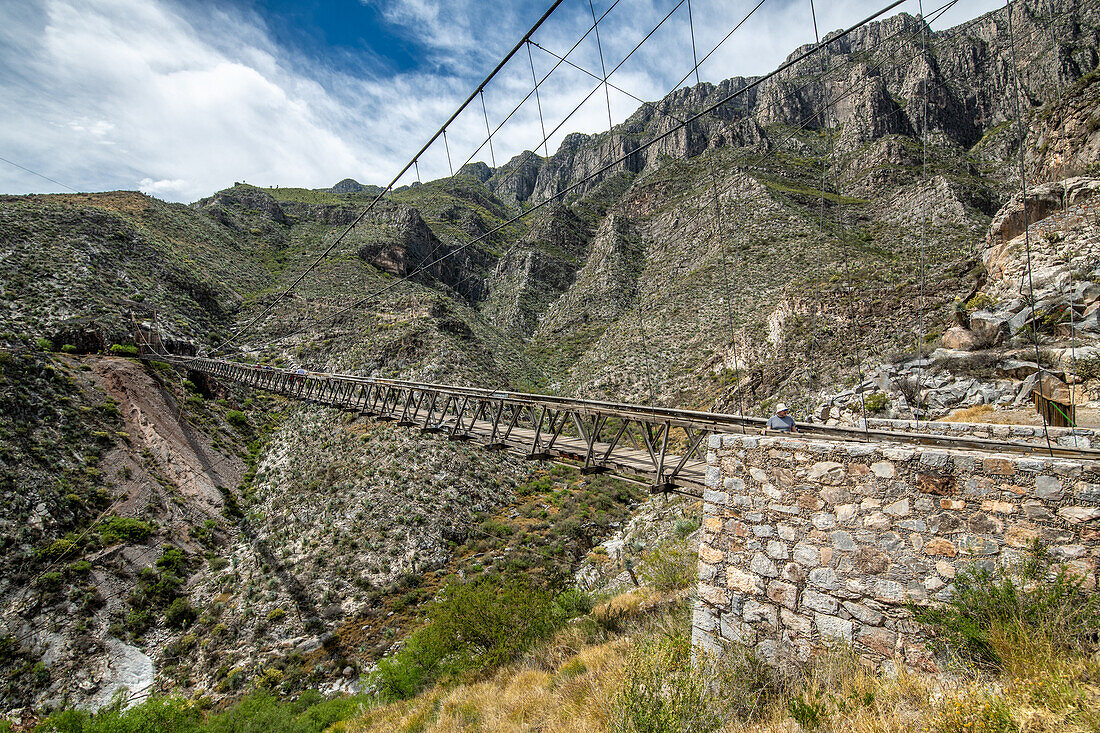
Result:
[{"x": 664, "y": 445}]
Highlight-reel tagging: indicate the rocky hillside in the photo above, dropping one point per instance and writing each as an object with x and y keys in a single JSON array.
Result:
[{"x": 169, "y": 532}]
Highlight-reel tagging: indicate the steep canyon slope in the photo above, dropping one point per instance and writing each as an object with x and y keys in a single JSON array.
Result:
[{"x": 199, "y": 538}]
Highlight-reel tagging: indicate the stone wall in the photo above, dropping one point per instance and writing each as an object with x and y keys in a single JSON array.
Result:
[
  {"x": 1075, "y": 437},
  {"x": 810, "y": 540}
]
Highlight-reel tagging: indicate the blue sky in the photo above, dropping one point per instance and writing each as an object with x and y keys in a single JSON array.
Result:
[{"x": 180, "y": 98}]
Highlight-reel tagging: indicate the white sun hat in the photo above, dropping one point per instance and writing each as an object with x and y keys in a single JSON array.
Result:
[{"x": 780, "y": 408}]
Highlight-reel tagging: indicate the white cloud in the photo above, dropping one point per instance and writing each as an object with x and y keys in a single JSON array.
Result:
[{"x": 151, "y": 95}]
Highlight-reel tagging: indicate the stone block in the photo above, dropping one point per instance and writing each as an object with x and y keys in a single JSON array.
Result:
[
  {"x": 714, "y": 595},
  {"x": 842, "y": 541},
  {"x": 784, "y": 509},
  {"x": 815, "y": 601},
  {"x": 823, "y": 520},
  {"x": 711, "y": 555},
  {"x": 743, "y": 582},
  {"x": 755, "y": 612},
  {"x": 714, "y": 442},
  {"x": 758, "y": 474},
  {"x": 940, "y": 547},
  {"x": 884, "y": 469},
  {"x": 1037, "y": 512},
  {"x": 825, "y": 578},
  {"x": 935, "y": 484},
  {"x": 945, "y": 569},
  {"x": 974, "y": 545},
  {"x": 706, "y": 573},
  {"x": 785, "y": 594},
  {"x": 1079, "y": 514},
  {"x": 998, "y": 507},
  {"x": 934, "y": 458},
  {"x": 807, "y": 554},
  {"x": 705, "y": 642},
  {"x": 712, "y": 524},
  {"x": 832, "y": 627},
  {"x": 889, "y": 591},
  {"x": 827, "y": 472},
  {"x": 863, "y": 614},
  {"x": 733, "y": 485},
  {"x": 734, "y": 630},
  {"x": 999, "y": 466},
  {"x": 898, "y": 454},
  {"x": 786, "y": 532},
  {"x": 1087, "y": 493},
  {"x": 872, "y": 561},
  {"x": 762, "y": 565},
  {"x": 777, "y": 550},
  {"x": 715, "y": 497},
  {"x": 1020, "y": 536},
  {"x": 860, "y": 450},
  {"x": 898, "y": 508},
  {"x": 846, "y": 512},
  {"x": 704, "y": 618},
  {"x": 713, "y": 476},
  {"x": 811, "y": 501},
  {"x": 796, "y": 624},
  {"x": 953, "y": 504},
  {"x": 913, "y": 525},
  {"x": 878, "y": 640},
  {"x": 1048, "y": 488},
  {"x": 945, "y": 523},
  {"x": 836, "y": 495},
  {"x": 877, "y": 522},
  {"x": 763, "y": 530}
]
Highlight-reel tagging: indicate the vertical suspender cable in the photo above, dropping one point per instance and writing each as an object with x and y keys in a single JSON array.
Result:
[
  {"x": 488, "y": 131},
  {"x": 924, "y": 217},
  {"x": 1023, "y": 195},
  {"x": 603, "y": 66},
  {"x": 1065, "y": 206},
  {"x": 538, "y": 101}
]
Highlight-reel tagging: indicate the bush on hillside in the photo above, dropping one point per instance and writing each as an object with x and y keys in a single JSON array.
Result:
[
  {"x": 475, "y": 625},
  {"x": 125, "y": 529},
  {"x": 1041, "y": 598}
]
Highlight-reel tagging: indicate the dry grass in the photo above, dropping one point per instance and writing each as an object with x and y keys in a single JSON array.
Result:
[
  {"x": 989, "y": 414},
  {"x": 575, "y": 698}
]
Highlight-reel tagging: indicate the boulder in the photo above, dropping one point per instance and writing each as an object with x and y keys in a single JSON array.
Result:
[
  {"x": 1017, "y": 369},
  {"x": 990, "y": 328},
  {"x": 961, "y": 339}
]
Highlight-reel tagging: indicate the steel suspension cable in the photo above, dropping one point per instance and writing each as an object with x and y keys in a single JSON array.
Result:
[
  {"x": 816, "y": 48},
  {"x": 916, "y": 409},
  {"x": 1023, "y": 196},
  {"x": 507, "y": 57}
]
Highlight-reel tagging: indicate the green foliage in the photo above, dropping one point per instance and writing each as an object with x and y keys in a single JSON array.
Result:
[
  {"x": 473, "y": 626},
  {"x": 155, "y": 715},
  {"x": 662, "y": 692},
  {"x": 876, "y": 402},
  {"x": 670, "y": 566},
  {"x": 180, "y": 614},
  {"x": 1040, "y": 598},
  {"x": 810, "y": 713},
  {"x": 44, "y": 344},
  {"x": 125, "y": 529},
  {"x": 124, "y": 350},
  {"x": 237, "y": 419},
  {"x": 68, "y": 349}
]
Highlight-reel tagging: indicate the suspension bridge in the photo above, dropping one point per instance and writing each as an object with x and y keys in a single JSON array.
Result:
[{"x": 665, "y": 448}]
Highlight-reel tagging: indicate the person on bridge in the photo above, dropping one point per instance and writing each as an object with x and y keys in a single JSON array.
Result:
[{"x": 781, "y": 421}]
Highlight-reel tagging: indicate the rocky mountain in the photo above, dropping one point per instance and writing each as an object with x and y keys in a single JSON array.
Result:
[{"x": 167, "y": 532}]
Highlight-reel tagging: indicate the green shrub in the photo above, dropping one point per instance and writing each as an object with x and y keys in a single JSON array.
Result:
[
  {"x": 68, "y": 349},
  {"x": 876, "y": 402},
  {"x": 155, "y": 715},
  {"x": 60, "y": 547},
  {"x": 670, "y": 566},
  {"x": 1040, "y": 598},
  {"x": 124, "y": 350},
  {"x": 44, "y": 343},
  {"x": 180, "y": 614},
  {"x": 661, "y": 691},
  {"x": 237, "y": 419},
  {"x": 474, "y": 625},
  {"x": 125, "y": 529}
]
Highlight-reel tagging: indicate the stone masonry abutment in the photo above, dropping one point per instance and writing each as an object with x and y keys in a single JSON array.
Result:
[{"x": 807, "y": 541}]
